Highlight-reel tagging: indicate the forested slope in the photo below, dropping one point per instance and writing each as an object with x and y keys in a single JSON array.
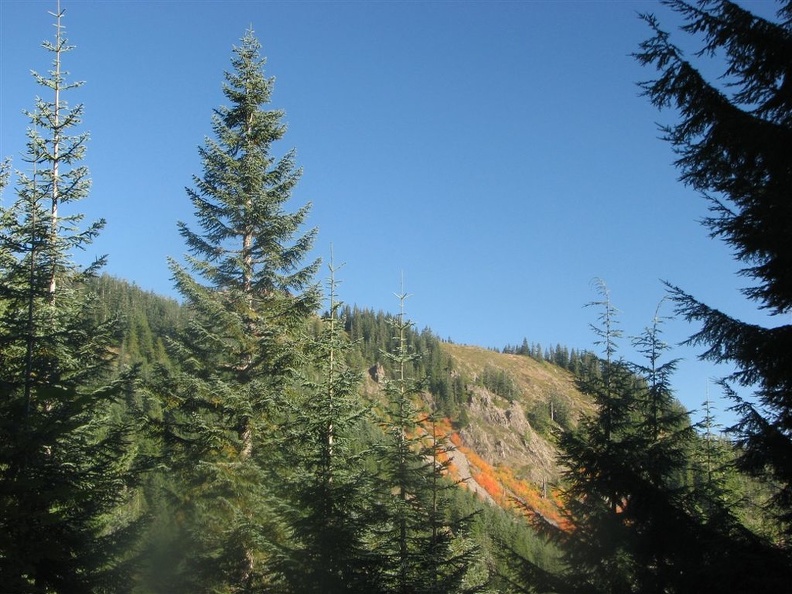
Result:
[
  {"x": 501, "y": 410},
  {"x": 497, "y": 412},
  {"x": 499, "y": 416},
  {"x": 240, "y": 441}
]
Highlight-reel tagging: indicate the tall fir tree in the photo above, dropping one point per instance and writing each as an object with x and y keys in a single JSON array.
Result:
[
  {"x": 637, "y": 523},
  {"x": 595, "y": 489},
  {"x": 329, "y": 489},
  {"x": 732, "y": 140},
  {"x": 624, "y": 493},
  {"x": 422, "y": 551},
  {"x": 656, "y": 503},
  {"x": 249, "y": 294},
  {"x": 68, "y": 467}
]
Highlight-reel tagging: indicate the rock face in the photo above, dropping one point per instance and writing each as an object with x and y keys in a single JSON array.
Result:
[
  {"x": 499, "y": 429},
  {"x": 502, "y": 435},
  {"x": 377, "y": 372},
  {"x": 459, "y": 460},
  {"x": 498, "y": 442}
]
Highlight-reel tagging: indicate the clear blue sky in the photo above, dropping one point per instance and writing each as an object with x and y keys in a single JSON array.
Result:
[{"x": 496, "y": 154}]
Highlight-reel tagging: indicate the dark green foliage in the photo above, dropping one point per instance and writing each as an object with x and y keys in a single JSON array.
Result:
[
  {"x": 275, "y": 476},
  {"x": 732, "y": 140},
  {"x": 597, "y": 456},
  {"x": 547, "y": 417},
  {"x": 422, "y": 551},
  {"x": 498, "y": 381},
  {"x": 146, "y": 320},
  {"x": 328, "y": 488},
  {"x": 643, "y": 518},
  {"x": 569, "y": 359},
  {"x": 490, "y": 530},
  {"x": 715, "y": 473},
  {"x": 68, "y": 463},
  {"x": 249, "y": 297},
  {"x": 372, "y": 336}
]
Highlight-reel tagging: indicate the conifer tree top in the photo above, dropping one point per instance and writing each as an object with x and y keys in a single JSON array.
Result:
[{"x": 248, "y": 241}]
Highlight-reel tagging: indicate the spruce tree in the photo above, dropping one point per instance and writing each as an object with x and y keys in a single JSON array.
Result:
[
  {"x": 422, "y": 551},
  {"x": 623, "y": 494},
  {"x": 249, "y": 294},
  {"x": 733, "y": 139},
  {"x": 329, "y": 487},
  {"x": 637, "y": 523},
  {"x": 597, "y": 551},
  {"x": 67, "y": 464}
]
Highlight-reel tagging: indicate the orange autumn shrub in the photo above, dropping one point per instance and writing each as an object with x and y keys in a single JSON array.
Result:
[{"x": 490, "y": 484}]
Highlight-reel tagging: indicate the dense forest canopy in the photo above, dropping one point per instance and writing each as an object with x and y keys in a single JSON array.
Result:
[{"x": 259, "y": 435}]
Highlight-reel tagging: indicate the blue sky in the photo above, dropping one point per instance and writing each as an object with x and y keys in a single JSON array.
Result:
[{"x": 496, "y": 155}]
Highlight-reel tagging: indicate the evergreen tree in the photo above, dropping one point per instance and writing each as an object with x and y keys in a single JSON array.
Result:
[
  {"x": 249, "y": 295},
  {"x": 145, "y": 319},
  {"x": 638, "y": 524},
  {"x": 67, "y": 464},
  {"x": 5, "y": 171},
  {"x": 329, "y": 488},
  {"x": 596, "y": 490},
  {"x": 624, "y": 491},
  {"x": 732, "y": 140},
  {"x": 657, "y": 506},
  {"x": 422, "y": 551}
]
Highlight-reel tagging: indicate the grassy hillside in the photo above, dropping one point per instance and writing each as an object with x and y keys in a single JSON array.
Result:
[{"x": 514, "y": 406}]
